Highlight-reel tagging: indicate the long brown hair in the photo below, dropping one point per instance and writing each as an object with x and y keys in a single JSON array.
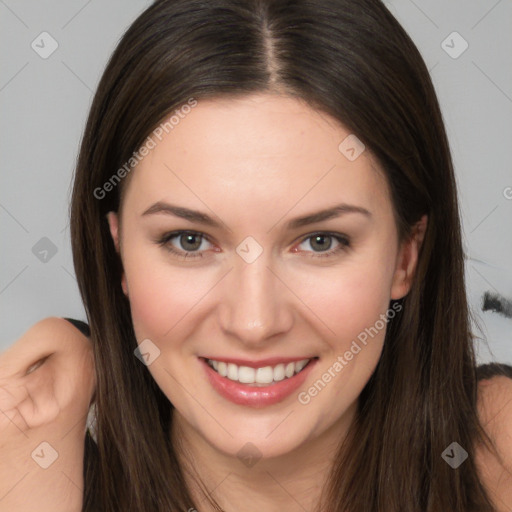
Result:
[{"x": 353, "y": 61}]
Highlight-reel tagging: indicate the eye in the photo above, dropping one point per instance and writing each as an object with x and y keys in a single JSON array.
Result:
[
  {"x": 324, "y": 241},
  {"x": 190, "y": 241}
]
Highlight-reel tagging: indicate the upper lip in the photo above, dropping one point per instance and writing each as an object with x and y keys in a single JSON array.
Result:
[{"x": 270, "y": 361}]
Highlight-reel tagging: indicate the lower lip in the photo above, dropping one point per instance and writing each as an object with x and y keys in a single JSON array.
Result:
[{"x": 254, "y": 396}]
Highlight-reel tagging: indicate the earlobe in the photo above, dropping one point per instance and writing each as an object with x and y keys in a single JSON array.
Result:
[
  {"x": 113, "y": 222},
  {"x": 407, "y": 260}
]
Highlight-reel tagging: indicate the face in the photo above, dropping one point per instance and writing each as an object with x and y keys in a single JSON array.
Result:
[{"x": 248, "y": 286}]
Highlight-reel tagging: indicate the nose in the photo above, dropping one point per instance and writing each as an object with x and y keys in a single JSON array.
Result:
[{"x": 255, "y": 307}]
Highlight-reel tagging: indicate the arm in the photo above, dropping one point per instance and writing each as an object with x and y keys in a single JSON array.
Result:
[{"x": 46, "y": 385}]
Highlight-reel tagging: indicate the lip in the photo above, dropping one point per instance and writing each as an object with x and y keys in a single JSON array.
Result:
[{"x": 253, "y": 396}]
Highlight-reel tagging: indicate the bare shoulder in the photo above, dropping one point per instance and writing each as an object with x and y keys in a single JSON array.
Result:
[
  {"x": 53, "y": 327},
  {"x": 495, "y": 412},
  {"x": 47, "y": 381}
]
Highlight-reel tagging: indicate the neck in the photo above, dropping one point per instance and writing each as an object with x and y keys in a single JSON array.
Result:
[{"x": 293, "y": 481}]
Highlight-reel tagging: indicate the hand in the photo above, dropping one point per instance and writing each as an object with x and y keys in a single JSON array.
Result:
[{"x": 47, "y": 382}]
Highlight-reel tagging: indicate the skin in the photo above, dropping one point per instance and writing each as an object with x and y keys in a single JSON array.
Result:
[
  {"x": 47, "y": 382},
  {"x": 253, "y": 164},
  {"x": 257, "y": 310},
  {"x": 495, "y": 412}
]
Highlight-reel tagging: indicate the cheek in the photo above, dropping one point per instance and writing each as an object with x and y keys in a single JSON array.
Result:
[
  {"x": 160, "y": 294},
  {"x": 347, "y": 299},
  {"x": 350, "y": 303},
  {"x": 167, "y": 300},
  {"x": 341, "y": 300}
]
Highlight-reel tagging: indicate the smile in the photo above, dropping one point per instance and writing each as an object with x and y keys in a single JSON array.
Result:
[
  {"x": 263, "y": 375},
  {"x": 261, "y": 384}
]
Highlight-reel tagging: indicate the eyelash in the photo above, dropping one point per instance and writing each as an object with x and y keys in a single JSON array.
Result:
[{"x": 344, "y": 244}]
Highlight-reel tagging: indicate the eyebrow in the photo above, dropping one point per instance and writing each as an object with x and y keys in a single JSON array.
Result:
[{"x": 202, "y": 218}]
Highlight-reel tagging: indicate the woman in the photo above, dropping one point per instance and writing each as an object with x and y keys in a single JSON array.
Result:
[{"x": 311, "y": 350}]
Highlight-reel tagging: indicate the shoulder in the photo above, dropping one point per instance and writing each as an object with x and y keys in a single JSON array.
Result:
[
  {"x": 59, "y": 331},
  {"x": 495, "y": 413},
  {"x": 59, "y": 326},
  {"x": 47, "y": 381},
  {"x": 42, "y": 339},
  {"x": 53, "y": 327}
]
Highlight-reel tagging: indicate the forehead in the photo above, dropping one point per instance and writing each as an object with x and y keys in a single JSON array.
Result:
[{"x": 264, "y": 150}]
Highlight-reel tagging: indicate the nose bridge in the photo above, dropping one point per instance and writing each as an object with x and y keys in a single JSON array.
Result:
[{"x": 253, "y": 308}]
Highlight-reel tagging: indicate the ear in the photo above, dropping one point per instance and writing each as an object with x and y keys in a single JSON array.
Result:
[
  {"x": 113, "y": 222},
  {"x": 407, "y": 260}
]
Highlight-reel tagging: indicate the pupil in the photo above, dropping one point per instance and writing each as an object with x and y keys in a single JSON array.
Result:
[
  {"x": 323, "y": 245},
  {"x": 189, "y": 237}
]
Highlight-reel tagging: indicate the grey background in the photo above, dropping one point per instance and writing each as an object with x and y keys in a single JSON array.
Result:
[{"x": 44, "y": 103}]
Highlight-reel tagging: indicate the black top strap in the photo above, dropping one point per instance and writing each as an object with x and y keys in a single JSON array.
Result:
[
  {"x": 81, "y": 326},
  {"x": 489, "y": 370}
]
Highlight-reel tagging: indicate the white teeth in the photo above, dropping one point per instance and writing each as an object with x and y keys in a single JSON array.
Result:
[
  {"x": 300, "y": 364},
  {"x": 246, "y": 375},
  {"x": 232, "y": 371},
  {"x": 279, "y": 372},
  {"x": 222, "y": 369},
  {"x": 290, "y": 370},
  {"x": 264, "y": 375}
]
